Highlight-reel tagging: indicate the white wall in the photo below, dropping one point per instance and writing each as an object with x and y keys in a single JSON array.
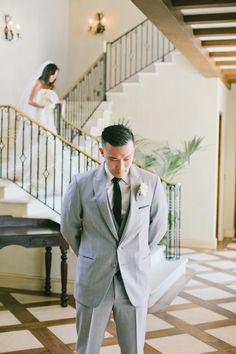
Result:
[
  {"x": 55, "y": 30},
  {"x": 175, "y": 106},
  {"x": 229, "y": 165},
  {"x": 85, "y": 47},
  {"x": 222, "y": 115},
  {"x": 44, "y": 27},
  {"x": 182, "y": 104}
]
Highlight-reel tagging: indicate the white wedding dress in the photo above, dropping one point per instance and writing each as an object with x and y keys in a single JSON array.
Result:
[
  {"x": 35, "y": 162},
  {"x": 45, "y": 116}
]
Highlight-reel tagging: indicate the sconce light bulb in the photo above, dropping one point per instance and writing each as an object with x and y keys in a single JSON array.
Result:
[
  {"x": 10, "y": 33},
  {"x": 97, "y": 25}
]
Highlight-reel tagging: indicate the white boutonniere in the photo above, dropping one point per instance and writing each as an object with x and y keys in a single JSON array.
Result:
[{"x": 141, "y": 191}]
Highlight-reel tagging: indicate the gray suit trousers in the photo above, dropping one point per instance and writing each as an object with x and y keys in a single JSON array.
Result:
[{"x": 130, "y": 322}]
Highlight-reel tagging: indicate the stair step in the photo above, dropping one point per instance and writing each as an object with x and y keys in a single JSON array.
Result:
[
  {"x": 13, "y": 207},
  {"x": 164, "y": 65},
  {"x": 132, "y": 81},
  {"x": 115, "y": 93},
  {"x": 17, "y": 202},
  {"x": 148, "y": 73},
  {"x": 164, "y": 275},
  {"x": 151, "y": 69},
  {"x": 157, "y": 255},
  {"x": 128, "y": 84}
]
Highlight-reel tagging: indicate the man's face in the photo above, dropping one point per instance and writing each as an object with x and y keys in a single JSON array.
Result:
[{"x": 118, "y": 158}]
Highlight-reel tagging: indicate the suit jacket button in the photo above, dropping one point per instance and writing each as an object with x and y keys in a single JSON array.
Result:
[{"x": 113, "y": 265}]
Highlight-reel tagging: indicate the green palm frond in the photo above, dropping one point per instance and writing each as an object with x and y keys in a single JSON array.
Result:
[
  {"x": 161, "y": 158},
  {"x": 164, "y": 160}
]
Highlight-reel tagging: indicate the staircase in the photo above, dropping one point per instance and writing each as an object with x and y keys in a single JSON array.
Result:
[
  {"x": 16, "y": 202},
  {"x": 78, "y": 147},
  {"x": 165, "y": 273},
  {"x": 114, "y": 109}
]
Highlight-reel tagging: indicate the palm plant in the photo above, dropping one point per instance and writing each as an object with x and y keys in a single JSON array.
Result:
[
  {"x": 163, "y": 159},
  {"x": 167, "y": 162}
]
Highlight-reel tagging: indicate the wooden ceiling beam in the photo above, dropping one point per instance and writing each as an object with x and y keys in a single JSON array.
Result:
[
  {"x": 230, "y": 78},
  {"x": 194, "y": 4},
  {"x": 229, "y": 74},
  {"x": 222, "y": 54},
  {"x": 210, "y": 18},
  {"x": 225, "y": 62},
  {"x": 198, "y": 32},
  {"x": 170, "y": 22},
  {"x": 220, "y": 43}
]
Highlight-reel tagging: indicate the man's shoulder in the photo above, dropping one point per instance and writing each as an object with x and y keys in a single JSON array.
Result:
[
  {"x": 146, "y": 174},
  {"x": 85, "y": 176}
]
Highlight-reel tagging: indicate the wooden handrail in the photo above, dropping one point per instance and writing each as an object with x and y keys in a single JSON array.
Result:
[{"x": 49, "y": 131}]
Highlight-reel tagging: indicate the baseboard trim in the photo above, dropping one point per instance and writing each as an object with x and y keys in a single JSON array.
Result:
[
  {"x": 20, "y": 281},
  {"x": 199, "y": 243}
]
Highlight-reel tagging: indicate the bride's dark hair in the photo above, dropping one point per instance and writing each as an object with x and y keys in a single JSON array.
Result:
[{"x": 49, "y": 70}]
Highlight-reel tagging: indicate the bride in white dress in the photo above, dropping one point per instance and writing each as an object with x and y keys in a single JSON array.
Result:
[
  {"x": 36, "y": 149},
  {"x": 43, "y": 98}
]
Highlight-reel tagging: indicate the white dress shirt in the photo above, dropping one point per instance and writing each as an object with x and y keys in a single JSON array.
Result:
[{"x": 125, "y": 191}]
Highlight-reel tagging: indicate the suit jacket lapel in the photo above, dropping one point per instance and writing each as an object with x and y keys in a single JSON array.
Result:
[
  {"x": 135, "y": 180},
  {"x": 99, "y": 186}
]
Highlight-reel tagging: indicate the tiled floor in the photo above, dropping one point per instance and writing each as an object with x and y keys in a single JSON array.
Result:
[{"x": 200, "y": 319}]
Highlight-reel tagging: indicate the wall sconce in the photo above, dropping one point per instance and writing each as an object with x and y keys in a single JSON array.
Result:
[
  {"x": 97, "y": 26},
  {"x": 9, "y": 33}
]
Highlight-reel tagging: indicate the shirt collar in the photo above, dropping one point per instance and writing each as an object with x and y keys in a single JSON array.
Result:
[{"x": 125, "y": 179}]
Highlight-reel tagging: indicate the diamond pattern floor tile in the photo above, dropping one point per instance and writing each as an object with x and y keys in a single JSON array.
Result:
[
  {"x": 8, "y": 319},
  {"x": 218, "y": 277},
  {"x": 18, "y": 340},
  {"x": 197, "y": 315},
  {"x": 199, "y": 309},
  {"x": 180, "y": 344},
  {"x": 230, "y": 306},
  {"x": 55, "y": 312},
  {"x": 154, "y": 323},
  {"x": 209, "y": 293},
  {"x": 227, "y": 334}
]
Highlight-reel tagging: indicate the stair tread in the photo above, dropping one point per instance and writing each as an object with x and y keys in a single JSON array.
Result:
[{"x": 167, "y": 275}]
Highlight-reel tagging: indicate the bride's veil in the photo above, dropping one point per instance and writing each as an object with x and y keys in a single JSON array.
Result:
[
  {"x": 26, "y": 135},
  {"x": 23, "y": 102}
]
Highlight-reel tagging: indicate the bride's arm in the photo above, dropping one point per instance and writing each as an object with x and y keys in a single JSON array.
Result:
[{"x": 32, "y": 99}]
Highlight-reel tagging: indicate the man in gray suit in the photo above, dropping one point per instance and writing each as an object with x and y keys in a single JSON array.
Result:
[{"x": 113, "y": 217}]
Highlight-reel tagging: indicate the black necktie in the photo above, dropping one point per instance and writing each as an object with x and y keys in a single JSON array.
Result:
[{"x": 117, "y": 200}]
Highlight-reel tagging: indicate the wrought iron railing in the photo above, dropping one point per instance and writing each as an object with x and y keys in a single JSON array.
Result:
[
  {"x": 171, "y": 240},
  {"x": 37, "y": 160},
  {"x": 42, "y": 163},
  {"x": 173, "y": 193},
  {"x": 75, "y": 135},
  {"x": 86, "y": 94},
  {"x": 127, "y": 55},
  {"x": 134, "y": 51}
]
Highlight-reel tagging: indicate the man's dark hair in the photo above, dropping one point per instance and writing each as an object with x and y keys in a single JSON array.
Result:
[{"x": 117, "y": 135}]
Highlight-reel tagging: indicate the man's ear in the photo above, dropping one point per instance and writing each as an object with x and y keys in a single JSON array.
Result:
[{"x": 101, "y": 151}]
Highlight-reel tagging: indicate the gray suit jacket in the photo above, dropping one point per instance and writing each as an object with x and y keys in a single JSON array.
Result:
[{"x": 88, "y": 225}]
